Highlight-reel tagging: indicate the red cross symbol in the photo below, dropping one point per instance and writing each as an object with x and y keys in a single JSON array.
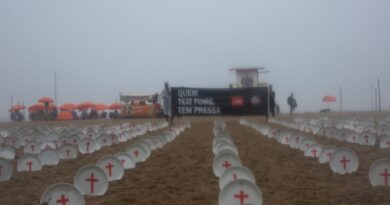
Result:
[
  {"x": 32, "y": 148},
  {"x": 242, "y": 196},
  {"x": 29, "y": 164},
  {"x": 88, "y": 143},
  {"x": 92, "y": 180},
  {"x": 226, "y": 164},
  {"x": 136, "y": 153},
  {"x": 63, "y": 200},
  {"x": 388, "y": 143},
  {"x": 123, "y": 161},
  {"x": 109, "y": 166},
  {"x": 344, "y": 161},
  {"x": 1, "y": 167},
  {"x": 385, "y": 174},
  {"x": 314, "y": 151},
  {"x": 67, "y": 152}
]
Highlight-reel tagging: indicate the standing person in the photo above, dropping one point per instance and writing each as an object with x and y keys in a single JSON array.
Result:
[
  {"x": 166, "y": 103},
  {"x": 272, "y": 102},
  {"x": 292, "y": 103},
  {"x": 13, "y": 116}
]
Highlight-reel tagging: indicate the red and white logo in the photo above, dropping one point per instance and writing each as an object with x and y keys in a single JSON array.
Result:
[
  {"x": 237, "y": 101},
  {"x": 255, "y": 100}
]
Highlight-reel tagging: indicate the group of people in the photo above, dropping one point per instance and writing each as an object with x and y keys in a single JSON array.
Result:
[
  {"x": 93, "y": 114},
  {"x": 16, "y": 116},
  {"x": 274, "y": 107},
  {"x": 52, "y": 114},
  {"x": 44, "y": 115}
]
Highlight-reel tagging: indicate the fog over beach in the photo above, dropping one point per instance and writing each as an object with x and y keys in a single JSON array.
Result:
[{"x": 101, "y": 48}]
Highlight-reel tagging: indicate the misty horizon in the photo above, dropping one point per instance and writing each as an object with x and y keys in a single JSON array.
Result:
[{"x": 99, "y": 49}]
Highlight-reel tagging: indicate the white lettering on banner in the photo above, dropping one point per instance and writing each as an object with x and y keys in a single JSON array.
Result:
[
  {"x": 185, "y": 101},
  {"x": 207, "y": 110},
  {"x": 187, "y": 93},
  {"x": 184, "y": 110},
  {"x": 190, "y": 103},
  {"x": 204, "y": 101}
]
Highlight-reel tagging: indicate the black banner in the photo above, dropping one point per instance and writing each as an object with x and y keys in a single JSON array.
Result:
[{"x": 219, "y": 101}]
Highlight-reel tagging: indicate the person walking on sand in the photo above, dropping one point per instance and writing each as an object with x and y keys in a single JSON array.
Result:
[
  {"x": 166, "y": 103},
  {"x": 292, "y": 103}
]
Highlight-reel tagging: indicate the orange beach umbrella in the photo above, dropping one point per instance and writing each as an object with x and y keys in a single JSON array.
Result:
[
  {"x": 86, "y": 105},
  {"x": 115, "y": 106},
  {"x": 46, "y": 100},
  {"x": 100, "y": 106},
  {"x": 36, "y": 107},
  {"x": 329, "y": 99},
  {"x": 68, "y": 106},
  {"x": 17, "y": 107}
]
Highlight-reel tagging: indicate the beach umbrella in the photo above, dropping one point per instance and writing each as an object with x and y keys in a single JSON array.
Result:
[
  {"x": 46, "y": 100},
  {"x": 17, "y": 107},
  {"x": 68, "y": 106},
  {"x": 65, "y": 115},
  {"x": 329, "y": 99},
  {"x": 100, "y": 106},
  {"x": 86, "y": 105},
  {"x": 36, "y": 107},
  {"x": 115, "y": 106}
]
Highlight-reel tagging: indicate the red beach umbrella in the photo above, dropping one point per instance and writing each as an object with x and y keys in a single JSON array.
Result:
[
  {"x": 17, "y": 107},
  {"x": 68, "y": 106},
  {"x": 46, "y": 100},
  {"x": 100, "y": 106},
  {"x": 36, "y": 107},
  {"x": 329, "y": 99},
  {"x": 115, "y": 106},
  {"x": 65, "y": 115},
  {"x": 86, "y": 105}
]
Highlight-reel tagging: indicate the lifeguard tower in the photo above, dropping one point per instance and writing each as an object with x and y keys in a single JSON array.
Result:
[{"x": 248, "y": 77}]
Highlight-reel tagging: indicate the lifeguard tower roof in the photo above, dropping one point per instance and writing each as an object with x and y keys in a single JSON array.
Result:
[
  {"x": 248, "y": 77},
  {"x": 247, "y": 69}
]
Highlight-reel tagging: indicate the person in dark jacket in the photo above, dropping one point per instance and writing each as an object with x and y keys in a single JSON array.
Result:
[
  {"x": 272, "y": 103},
  {"x": 292, "y": 103}
]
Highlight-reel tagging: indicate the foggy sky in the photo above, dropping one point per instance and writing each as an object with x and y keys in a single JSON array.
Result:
[{"x": 100, "y": 48}]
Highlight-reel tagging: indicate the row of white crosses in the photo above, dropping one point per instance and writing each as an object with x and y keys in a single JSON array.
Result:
[
  {"x": 363, "y": 133},
  {"x": 50, "y": 155},
  {"x": 237, "y": 183},
  {"x": 341, "y": 160},
  {"x": 93, "y": 180},
  {"x": 379, "y": 127},
  {"x": 34, "y": 143}
]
